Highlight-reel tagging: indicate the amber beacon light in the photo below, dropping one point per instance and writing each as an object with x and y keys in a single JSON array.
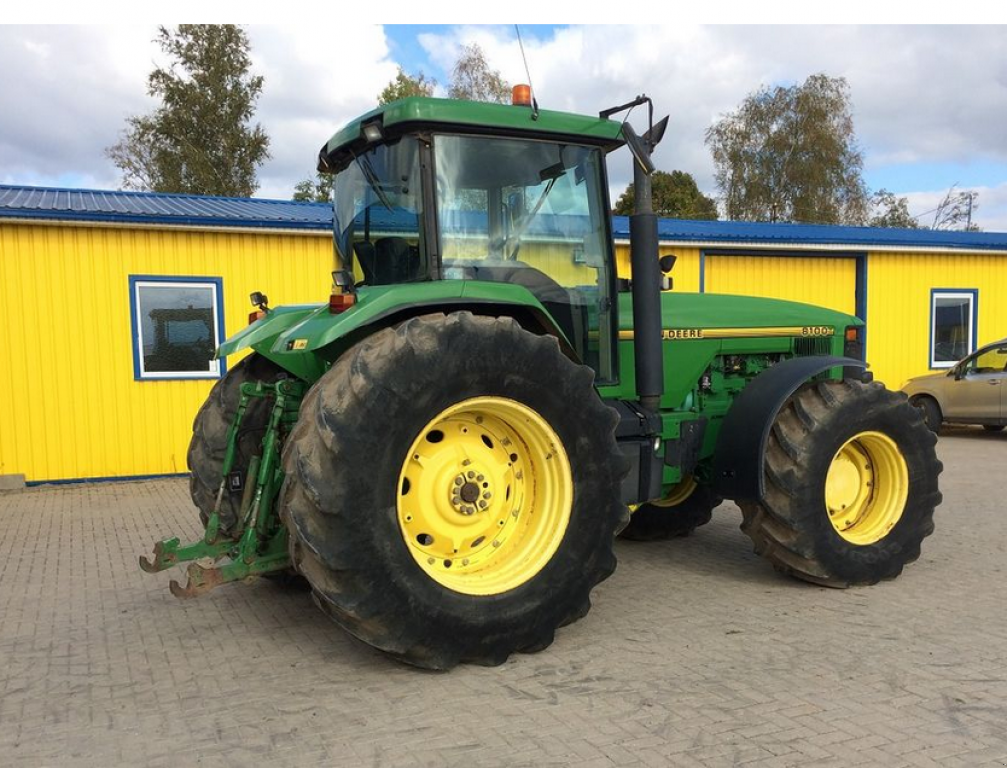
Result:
[{"x": 521, "y": 96}]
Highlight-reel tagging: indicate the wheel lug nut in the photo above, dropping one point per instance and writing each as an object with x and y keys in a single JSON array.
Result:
[
  {"x": 459, "y": 480},
  {"x": 482, "y": 504},
  {"x": 480, "y": 478},
  {"x": 487, "y": 495},
  {"x": 471, "y": 474}
]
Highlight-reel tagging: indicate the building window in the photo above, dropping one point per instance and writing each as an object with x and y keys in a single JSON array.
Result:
[
  {"x": 178, "y": 322},
  {"x": 952, "y": 326}
]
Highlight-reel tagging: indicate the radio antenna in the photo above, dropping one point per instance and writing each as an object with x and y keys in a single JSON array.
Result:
[{"x": 534, "y": 100}]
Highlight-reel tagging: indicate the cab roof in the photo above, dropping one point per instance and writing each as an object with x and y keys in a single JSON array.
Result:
[{"x": 470, "y": 116}]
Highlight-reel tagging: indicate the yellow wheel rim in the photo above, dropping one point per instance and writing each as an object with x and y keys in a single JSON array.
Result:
[
  {"x": 866, "y": 488},
  {"x": 485, "y": 495},
  {"x": 679, "y": 493}
]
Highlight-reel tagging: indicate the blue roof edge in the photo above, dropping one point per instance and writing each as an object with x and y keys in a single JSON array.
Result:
[
  {"x": 247, "y": 212},
  {"x": 764, "y": 233},
  {"x": 128, "y": 218}
]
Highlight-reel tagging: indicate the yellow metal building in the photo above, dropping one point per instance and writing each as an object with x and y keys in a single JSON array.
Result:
[
  {"x": 81, "y": 396},
  {"x": 71, "y": 403},
  {"x": 928, "y": 298}
]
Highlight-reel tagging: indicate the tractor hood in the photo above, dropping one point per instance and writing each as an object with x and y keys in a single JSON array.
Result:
[{"x": 737, "y": 315}]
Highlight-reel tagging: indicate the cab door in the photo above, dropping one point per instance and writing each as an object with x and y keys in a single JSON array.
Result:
[{"x": 977, "y": 391}]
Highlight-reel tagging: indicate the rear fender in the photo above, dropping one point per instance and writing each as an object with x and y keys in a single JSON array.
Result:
[
  {"x": 261, "y": 334},
  {"x": 325, "y": 336},
  {"x": 744, "y": 433}
]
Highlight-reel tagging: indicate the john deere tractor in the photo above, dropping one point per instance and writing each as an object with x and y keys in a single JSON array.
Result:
[{"x": 447, "y": 449}]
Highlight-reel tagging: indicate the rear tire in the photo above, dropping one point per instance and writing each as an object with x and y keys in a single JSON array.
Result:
[
  {"x": 851, "y": 485},
  {"x": 375, "y": 451},
  {"x": 663, "y": 520}
]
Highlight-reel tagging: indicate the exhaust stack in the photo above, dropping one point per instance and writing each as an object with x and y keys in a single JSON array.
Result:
[{"x": 647, "y": 326}]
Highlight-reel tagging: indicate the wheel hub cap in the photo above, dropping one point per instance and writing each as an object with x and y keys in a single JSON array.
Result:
[
  {"x": 485, "y": 495},
  {"x": 866, "y": 488}
]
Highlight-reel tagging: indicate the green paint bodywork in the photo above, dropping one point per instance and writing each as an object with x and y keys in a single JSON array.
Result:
[
  {"x": 702, "y": 375},
  {"x": 306, "y": 340},
  {"x": 685, "y": 360},
  {"x": 491, "y": 118},
  {"x": 259, "y": 544}
]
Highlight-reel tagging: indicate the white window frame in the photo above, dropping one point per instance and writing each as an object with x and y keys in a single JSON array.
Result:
[
  {"x": 971, "y": 296},
  {"x": 216, "y": 369}
]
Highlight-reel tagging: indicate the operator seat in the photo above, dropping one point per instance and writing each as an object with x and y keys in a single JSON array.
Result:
[{"x": 554, "y": 297}]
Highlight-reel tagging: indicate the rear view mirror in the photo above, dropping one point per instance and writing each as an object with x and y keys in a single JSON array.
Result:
[{"x": 638, "y": 148}]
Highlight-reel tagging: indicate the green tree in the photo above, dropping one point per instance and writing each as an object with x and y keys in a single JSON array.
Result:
[
  {"x": 891, "y": 211},
  {"x": 317, "y": 190},
  {"x": 676, "y": 196},
  {"x": 201, "y": 139},
  {"x": 955, "y": 211},
  {"x": 790, "y": 154},
  {"x": 473, "y": 80},
  {"x": 405, "y": 85}
]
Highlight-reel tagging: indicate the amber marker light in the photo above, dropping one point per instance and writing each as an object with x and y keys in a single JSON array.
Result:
[
  {"x": 521, "y": 96},
  {"x": 340, "y": 302}
]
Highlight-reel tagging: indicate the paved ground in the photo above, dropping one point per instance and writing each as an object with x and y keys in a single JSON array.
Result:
[{"x": 696, "y": 652}]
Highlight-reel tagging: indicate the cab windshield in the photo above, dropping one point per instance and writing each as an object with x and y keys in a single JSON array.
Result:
[
  {"x": 378, "y": 213},
  {"x": 531, "y": 213}
]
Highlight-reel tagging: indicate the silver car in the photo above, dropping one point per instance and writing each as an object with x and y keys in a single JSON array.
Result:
[{"x": 972, "y": 392}]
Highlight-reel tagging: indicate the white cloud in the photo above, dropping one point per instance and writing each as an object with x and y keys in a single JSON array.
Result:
[
  {"x": 68, "y": 91},
  {"x": 920, "y": 94},
  {"x": 931, "y": 94},
  {"x": 314, "y": 82}
]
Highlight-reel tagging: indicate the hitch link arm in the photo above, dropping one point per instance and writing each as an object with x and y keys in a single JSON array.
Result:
[{"x": 261, "y": 543}]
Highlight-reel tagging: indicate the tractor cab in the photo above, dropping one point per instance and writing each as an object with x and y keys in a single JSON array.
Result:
[{"x": 422, "y": 192}]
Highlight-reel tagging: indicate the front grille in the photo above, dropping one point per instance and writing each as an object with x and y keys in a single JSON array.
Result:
[{"x": 817, "y": 345}]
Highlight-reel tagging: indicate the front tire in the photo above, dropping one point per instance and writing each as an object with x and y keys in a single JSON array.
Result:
[
  {"x": 452, "y": 490},
  {"x": 851, "y": 485},
  {"x": 688, "y": 506}
]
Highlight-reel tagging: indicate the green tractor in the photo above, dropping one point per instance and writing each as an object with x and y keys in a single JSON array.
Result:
[{"x": 446, "y": 450}]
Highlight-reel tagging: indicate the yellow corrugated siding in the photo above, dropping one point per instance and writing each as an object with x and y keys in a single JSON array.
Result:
[
  {"x": 685, "y": 274},
  {"x": 825, "y": 282},
  {"x": 69, "y": 406},
  {"x": 898, "y": 305}
]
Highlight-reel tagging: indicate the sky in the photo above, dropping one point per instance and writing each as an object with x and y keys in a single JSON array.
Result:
[{"x": 929, "y": 102}]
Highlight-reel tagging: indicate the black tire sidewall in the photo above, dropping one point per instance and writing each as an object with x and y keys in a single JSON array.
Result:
[
  {"x": 884, "y": 558},
  {"x": 413, "y": 390},
  {"x": 655, "y": 523}
]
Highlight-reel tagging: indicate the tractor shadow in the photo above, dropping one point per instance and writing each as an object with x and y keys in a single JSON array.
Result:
[{"x": 718, "y": 551}]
